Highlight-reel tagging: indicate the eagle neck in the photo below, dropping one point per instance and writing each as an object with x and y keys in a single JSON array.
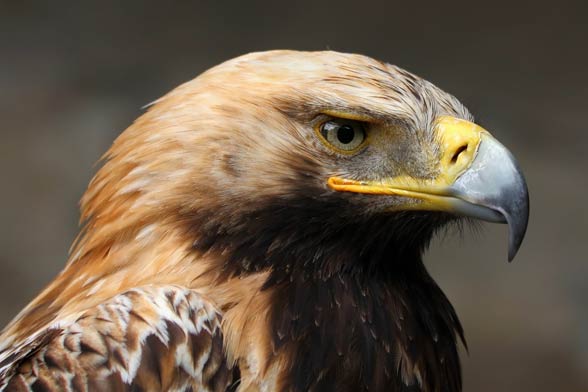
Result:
[{"x": 355, "y": 330}]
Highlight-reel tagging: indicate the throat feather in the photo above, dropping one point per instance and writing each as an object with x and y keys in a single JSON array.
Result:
[{"x": 354, "y": 333}]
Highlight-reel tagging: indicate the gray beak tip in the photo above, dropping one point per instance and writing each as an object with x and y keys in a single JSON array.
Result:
[
  {"x": 512, "y": 252},
  {"x": 517, "y": 222}
]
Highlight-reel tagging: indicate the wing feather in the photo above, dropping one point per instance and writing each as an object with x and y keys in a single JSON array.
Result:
[{"x": 148, "y": 338}]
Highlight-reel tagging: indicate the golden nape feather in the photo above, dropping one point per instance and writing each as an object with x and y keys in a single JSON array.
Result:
[{"x": 261, "y": 228}]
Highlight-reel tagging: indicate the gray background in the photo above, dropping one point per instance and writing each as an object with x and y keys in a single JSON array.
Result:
[{"x": 73, "y": 76}]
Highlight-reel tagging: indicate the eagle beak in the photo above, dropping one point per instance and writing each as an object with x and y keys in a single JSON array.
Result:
[{"x": 477, "y": 177}]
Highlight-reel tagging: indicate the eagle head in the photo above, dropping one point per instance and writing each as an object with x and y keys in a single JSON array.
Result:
[{"x": 285, "y": 151}]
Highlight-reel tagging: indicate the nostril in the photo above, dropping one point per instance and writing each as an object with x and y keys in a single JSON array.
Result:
[{"x": 458, "y": 152}]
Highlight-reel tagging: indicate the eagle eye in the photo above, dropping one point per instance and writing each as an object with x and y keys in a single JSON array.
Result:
[{"x": 346, "y": 135}]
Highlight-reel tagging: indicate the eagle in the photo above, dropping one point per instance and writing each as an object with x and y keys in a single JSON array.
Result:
[{"x": 262, "y": 228}]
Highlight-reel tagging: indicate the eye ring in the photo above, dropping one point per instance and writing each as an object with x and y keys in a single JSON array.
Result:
[{"x": 343, "y": 135}]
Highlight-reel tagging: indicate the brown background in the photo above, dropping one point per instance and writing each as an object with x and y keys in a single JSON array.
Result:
[{"x": 74, "y": 76}]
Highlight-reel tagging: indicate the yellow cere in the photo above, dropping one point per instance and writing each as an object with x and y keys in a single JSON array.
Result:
[{"x": 459, "y": 142}]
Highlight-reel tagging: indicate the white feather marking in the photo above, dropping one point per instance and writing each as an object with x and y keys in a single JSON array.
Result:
[
  {"x": 135, "y": 186},
  {"x": 145, "y": 232},
  {"x": 94, "y": 289}
]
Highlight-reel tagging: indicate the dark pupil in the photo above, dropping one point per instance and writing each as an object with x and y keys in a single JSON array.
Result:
[{"x": 345, "y": 134}]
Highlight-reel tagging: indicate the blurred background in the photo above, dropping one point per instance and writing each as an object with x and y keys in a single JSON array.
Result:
[{"x": 73, "y": 75}]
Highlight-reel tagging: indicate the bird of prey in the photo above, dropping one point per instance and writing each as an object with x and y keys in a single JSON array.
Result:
[{"x": 261, "y": 228}]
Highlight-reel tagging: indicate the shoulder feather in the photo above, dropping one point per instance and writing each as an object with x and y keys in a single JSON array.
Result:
[{"x": 148, "y": 338}]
